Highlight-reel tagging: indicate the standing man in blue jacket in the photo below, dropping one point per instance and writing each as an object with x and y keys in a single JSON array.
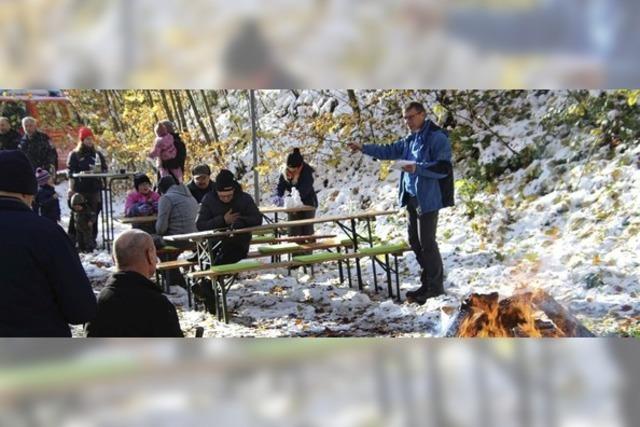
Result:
[
  {"x": 426, "y": 186},
  {"x": 43, "y": 285}
]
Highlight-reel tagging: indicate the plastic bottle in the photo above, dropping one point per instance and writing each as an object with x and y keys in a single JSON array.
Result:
[{"x": 98, "y": 166}]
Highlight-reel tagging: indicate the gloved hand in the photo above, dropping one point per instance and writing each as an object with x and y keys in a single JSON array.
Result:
[{"x": 278, "y": 201}]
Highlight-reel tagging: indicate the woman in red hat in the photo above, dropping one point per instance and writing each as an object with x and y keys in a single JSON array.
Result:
[{"x": 84, "y": 159}]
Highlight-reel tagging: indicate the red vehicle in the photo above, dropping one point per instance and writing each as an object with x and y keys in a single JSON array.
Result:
[{"x": 54, "y": 113}]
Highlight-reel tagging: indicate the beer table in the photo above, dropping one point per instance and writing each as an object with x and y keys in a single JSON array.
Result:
[{"x": 106, "y": 214}]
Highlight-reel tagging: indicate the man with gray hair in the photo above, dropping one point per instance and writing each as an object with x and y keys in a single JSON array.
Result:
[
  {"x": 9, "y": 138},
  {"x": 426, "y": 186},
  {"x": 131, "y": 305},
  {"x": 37, "y": 146}
]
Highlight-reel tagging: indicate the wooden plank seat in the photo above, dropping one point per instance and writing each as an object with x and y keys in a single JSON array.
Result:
[
  {"x": 270, "y": 239},
  {"x": 137, "y": 219},
  {"x": 293, "y": 248},
  {"x": 169, "y": 250},
  {"x": 225, "y": 275},
  {"x": 166, "y": 265},
  {"x": 172, "y": 265}
]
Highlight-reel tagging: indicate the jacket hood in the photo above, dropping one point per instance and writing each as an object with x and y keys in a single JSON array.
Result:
[{"x": 180, "y": 190}]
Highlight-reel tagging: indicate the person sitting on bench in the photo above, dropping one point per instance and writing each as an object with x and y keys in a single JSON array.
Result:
[
  {"x": 229, "y": 207},
  {"x": 131, "y": 305},
  {"x": 142, "y": 201}
]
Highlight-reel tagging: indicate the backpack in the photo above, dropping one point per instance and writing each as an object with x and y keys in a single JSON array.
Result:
[{"x": 181, "y": 154}]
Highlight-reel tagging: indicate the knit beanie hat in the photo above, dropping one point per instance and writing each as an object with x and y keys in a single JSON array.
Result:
[
  {"x": 85, "y": 133},
  {"x": 294, "y": 159},
  {"x": 225, "y": 180},
  {"x": 139, "y": 179},
  {"x": 16, "y": 173},
  {"x": 201, "y": 170},
  {"x": 77, "y": 199},
  {"x": 42, "y": 176},
  {"x": 165, "y": 184}
]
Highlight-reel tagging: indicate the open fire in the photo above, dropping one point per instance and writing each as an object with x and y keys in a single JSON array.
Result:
[{"x": 525, "y": 314}]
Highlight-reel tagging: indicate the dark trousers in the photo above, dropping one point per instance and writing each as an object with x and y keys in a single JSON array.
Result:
[
  {"x": 422, "y": 238},
  {"x": 94, "y": 200},
  {"x": 173, "y": 277},
  {"x": 301, "y": 230},
  {"x": 232, "y": 249}
]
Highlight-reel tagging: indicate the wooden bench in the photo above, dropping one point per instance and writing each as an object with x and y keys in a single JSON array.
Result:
[
  {"x": 175, "y": 265},
  {"x": 260, "y": 240},
  {"x": 218, "y": 273},
  {"x": 137, "y": 219}
]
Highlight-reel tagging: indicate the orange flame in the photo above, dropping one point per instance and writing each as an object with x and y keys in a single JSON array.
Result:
[{"x": 515, "y": 316}]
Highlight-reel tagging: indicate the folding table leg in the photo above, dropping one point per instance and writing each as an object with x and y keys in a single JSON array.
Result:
[
  {"x": 340, "y": 267},
  {"x": 389, "y": 285},
  {"x": 395, "y": 259}
]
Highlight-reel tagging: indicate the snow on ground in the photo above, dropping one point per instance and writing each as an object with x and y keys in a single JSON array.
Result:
[
  {"x": 568, "y": 226},
  {"x": 580, "y": 246}
]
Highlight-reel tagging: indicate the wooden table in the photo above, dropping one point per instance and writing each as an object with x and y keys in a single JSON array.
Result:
[
  {"x": 106, "y": 214},
  {"x": 137, "y": 219},
  {"x": 264, "y": 211},
  {"x": 208, "y": 241}
]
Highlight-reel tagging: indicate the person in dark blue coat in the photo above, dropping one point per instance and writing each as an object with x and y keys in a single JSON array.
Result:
[
  {"x": 43, "y": 285},
  {"x": 46, "y": 203},
  {"x": 426, "y": 186},
  {"x": 298, "y": 175}
]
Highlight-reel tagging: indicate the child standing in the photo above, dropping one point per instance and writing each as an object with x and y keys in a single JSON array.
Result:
[
  {"x": 46, "y": 202},
  {"x": 163, "y": 150},
  {"x": 84, "y": 218}
]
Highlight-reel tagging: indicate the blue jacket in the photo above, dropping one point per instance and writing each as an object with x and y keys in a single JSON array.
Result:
[
  {"x": 46, "y": 203},
  {"x": 434, "y": 171},
  {"x": 43, "y": 285}
]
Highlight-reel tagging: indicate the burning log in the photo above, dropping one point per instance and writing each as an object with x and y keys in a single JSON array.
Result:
[{"x": 526, "y": 314}]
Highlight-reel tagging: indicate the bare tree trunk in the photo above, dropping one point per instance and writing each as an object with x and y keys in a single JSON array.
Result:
[
  {"x": 194, "y": 107},
  {"x": 165, "y": 105},
  {"x": 112, "y": 114},
  {"x": 353, "y": 102},
  {"x": 149, "y": 99},
  {"x": 211, "y": 121},
  {"x": 181, "y": 110},
  {"x": 175, "y": 108}
]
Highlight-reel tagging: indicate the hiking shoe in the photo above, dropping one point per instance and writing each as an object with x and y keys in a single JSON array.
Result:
[{"x": 420, "y": 296}]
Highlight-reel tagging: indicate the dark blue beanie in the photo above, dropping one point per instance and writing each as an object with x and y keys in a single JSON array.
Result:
[{"x": 16, "y": 173}]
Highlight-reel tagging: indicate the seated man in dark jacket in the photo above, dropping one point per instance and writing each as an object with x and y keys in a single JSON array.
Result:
[
  {"x": 43, "y": 285},
  {"x": 228, "y": 206},
  {"x": 200, "y": 183},
  {"x": 131, "y": 305}
]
